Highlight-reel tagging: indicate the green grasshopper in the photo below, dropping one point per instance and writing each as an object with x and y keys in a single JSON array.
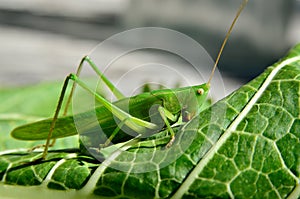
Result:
[{"x": 171, "y": 105}]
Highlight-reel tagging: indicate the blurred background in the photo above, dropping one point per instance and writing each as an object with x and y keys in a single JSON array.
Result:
[{"x": 45, "y": 40}]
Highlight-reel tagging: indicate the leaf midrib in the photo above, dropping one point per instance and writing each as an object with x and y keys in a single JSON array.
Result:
[{"x": 210, "y": 154}]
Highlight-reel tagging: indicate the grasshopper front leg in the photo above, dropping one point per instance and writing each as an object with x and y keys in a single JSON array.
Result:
[{"x": 165, "y": 114}]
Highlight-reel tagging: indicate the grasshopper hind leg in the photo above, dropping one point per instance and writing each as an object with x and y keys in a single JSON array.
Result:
[
  {"x": 52, "y": 126},
  {"x": 110, "y": 85}
]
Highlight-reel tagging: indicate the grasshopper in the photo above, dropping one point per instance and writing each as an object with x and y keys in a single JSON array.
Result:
[{"x": 170, "y": 105}]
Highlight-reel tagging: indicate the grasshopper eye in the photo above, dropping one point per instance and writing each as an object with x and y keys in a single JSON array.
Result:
[{"x": 200, "y": 91}]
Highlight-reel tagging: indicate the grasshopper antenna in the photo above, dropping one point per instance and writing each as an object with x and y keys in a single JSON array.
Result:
[{"x": 242, "y": 6}]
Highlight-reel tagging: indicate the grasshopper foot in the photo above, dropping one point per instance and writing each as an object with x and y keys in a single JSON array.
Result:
[
  {"x": 36, "y": 147},
  {"x": 41, "y": 146},
  {"x": 106, "y": 144},
  {"x": 170, "y": 143}
]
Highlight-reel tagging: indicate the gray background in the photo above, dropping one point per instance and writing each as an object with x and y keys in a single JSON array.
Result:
[{"x": 44, "y": 40}]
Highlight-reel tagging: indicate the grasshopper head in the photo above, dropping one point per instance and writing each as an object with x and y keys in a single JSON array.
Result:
[
  {"x": 193, "y": 101},
  {"x": 187, "y": 100}
]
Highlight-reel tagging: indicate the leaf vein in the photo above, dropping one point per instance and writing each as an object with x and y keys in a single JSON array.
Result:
[{"x": 204, "y": 161}]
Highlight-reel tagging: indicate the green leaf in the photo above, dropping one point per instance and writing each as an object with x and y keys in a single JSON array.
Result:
[
  {"x": 28, "y": 104},
  {"x": 244, "y": 146}
]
